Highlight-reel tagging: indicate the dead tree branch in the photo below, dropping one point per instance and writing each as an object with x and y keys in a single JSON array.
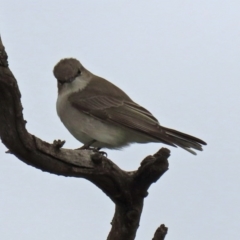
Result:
[
  {"x": 126, "y": 189},
  {"x": 160, "y": 233}
]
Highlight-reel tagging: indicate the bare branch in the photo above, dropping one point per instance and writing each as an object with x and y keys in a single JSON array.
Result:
[{"x": 160, "y": 233}]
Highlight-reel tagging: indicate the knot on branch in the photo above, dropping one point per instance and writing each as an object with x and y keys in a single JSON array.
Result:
[
  {"x": 58, "y": 143},
  {"x": 97, "y": 158}
]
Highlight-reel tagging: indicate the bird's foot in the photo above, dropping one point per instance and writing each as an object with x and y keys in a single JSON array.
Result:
[
  {"x": 101, "y": 152},
  {"x": 88, "y": 146},
  {"x": 95, "y": 150}
]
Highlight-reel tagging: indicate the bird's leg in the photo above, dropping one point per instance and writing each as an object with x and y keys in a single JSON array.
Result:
[{"x": 87, "y": 145}]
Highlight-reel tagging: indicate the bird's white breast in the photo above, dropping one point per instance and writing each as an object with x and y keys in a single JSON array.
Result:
[
  {"x": 82, "y": 126},
  {"x": 86, "y": 128},
  {"x": 71, "y": 118}
]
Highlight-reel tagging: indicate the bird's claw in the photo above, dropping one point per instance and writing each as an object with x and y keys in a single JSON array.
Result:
[
  {"x": 101, "y": 152},
  {"x": 94, "y": 149}
]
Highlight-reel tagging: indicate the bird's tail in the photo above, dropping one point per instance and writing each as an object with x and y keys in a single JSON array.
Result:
[{"x": 184, "y": 140}]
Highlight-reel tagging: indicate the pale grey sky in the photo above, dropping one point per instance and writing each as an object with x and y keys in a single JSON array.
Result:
[{"x": 178, "y": 58}]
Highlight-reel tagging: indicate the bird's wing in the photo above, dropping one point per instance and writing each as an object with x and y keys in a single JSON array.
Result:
[{"x": 121, "y": 112}]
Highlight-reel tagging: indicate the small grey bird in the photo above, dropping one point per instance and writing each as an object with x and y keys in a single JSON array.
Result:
[{"x": 101, "y": 115}]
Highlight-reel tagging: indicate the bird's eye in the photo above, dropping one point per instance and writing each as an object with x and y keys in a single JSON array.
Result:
[{"x": 79, "y": 72}]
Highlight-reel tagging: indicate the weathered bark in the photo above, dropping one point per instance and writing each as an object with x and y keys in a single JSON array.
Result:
[{"x": 126, "y": 189}]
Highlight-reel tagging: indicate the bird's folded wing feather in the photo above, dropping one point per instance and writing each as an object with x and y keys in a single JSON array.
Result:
[{"x": 121, "y": 112}]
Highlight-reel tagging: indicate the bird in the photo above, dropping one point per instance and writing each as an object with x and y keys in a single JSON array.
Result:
[{"x": 101, "y": 115}]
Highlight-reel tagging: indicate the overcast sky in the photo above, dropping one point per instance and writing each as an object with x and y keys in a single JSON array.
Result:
[{"x": 181, "y": 60}]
